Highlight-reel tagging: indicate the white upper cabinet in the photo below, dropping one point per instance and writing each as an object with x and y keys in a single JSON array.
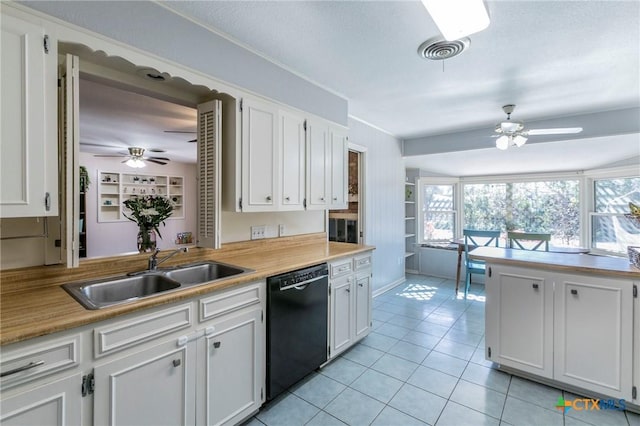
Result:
[
  {"x": 292, "y": 161},
  {"x": 29, "y": 144},
  {"x": 259, "y": 155},
  {"x": 318, "y": 165},
  {"x": 339, "y": 168}
]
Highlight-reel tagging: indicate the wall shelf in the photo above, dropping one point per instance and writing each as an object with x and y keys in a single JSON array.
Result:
[{"x": 115, "y": 188}]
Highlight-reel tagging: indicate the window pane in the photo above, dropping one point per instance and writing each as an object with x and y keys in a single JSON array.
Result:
[
  {"x": 542, "y": 207},
  {"x": 614, "y": 195},
  {"x": 613, "y": 233},
  {"x": 438, "y": 213}
]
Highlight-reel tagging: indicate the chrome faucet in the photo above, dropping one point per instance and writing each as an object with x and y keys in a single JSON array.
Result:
[{"x": 153, "y": 259}]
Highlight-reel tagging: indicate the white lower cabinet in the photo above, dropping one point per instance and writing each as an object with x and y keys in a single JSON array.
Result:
[
  {"x": 573, "y": 329},
  {"x": 152, "y": 387},
  {"x": 519, "y": 320},
  {"x": 594, "y": 334},
  {"x": 56, "y": 403},
  {"x": 350, "y": 302},
  {"x": 231, "y": 369}
]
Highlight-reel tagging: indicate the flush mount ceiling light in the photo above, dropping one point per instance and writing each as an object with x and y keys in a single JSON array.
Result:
[
  {"x": 136, "y": 158},
  {"x": 458, "y": 18}
]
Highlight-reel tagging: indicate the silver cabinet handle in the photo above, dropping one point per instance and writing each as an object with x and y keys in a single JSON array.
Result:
[
  {"x": 268, "y": 197},
  {"x": 335, "y": 198},
  {"x": 29, "y": 366},
  {"x": 574, "y": 292},
  {"x": 216, "y": 345},
  {"x": 177, "y": 362},
  {"x": 535, "y": 286},
  {"x": 360, "y": 285},
  {"x": 47, "y": 201},
  {"x": 321, "y": 198},
  {"x": 348, "y": 290},
  {"x": 287, "y": 198}
]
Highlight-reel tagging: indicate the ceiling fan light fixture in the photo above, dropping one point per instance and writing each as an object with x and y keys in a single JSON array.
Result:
[
  {"x": 519, "y": 140},
  {"x": 502, "y": 142},
  {"x": 136, "y": 163},
  {"x": 458, "y": 18}
]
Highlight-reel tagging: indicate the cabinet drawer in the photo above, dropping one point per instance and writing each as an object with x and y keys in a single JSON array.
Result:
[
  {"x": 340, "y": 267},
  {"x": 362, "y": 262},
  {"x": 231, "y": 300},
  {"x": 34, "y": 361},
  {"x": 123, "y": 334}
]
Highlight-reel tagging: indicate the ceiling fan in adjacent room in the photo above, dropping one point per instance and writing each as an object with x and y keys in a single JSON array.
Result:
[
  {"x": 513, "y": 133},
  {"x": 136, "y": 158},
  {"x": 183, "y": 131}
]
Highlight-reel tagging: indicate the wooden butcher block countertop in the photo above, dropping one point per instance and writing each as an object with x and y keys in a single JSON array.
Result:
[
  {"x": 565, "y": 262},
  {"x": 33, "y": 303}
]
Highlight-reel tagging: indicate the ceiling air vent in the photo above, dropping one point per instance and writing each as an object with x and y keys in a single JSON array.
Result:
[{"x": 438, "y": 49}]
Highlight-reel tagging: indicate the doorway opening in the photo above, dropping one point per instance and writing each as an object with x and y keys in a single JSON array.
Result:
[{"x": 347, "y": 226}]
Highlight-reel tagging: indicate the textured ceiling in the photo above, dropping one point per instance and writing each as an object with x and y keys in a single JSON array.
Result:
[{"x": 551, "y": 58}]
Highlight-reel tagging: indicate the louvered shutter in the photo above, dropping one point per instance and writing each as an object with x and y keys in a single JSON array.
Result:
[{"x": 209, "y": 135}]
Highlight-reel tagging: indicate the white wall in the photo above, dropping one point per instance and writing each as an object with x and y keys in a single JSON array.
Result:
[
  {"x": 109, "y": 238},
  {"x": 155, "y": 29},
  {"x": 384, "y": 197}
]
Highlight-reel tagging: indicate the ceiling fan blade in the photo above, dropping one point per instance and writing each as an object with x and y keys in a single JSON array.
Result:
[
  {"x": 193, "y": 140},
  {"x": 556, "y": 131},
  {"x": 155, "y": 161},
  {"x": 179, "y": 131},
  {"x": 110, "y": 155},
  {"x": 157, "y": 158}
]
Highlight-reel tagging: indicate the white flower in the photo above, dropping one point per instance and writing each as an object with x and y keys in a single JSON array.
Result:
[{"x": 149, "y": 212}]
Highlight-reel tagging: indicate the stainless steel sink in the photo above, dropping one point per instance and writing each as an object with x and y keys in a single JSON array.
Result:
[
  {"x": 204, "y": 272},
  {"x": 107, "y": 292},
  {"x": 102, "y": 293}
]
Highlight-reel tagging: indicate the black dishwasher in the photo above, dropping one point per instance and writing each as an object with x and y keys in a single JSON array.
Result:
[{"x": 297, "y": 309}]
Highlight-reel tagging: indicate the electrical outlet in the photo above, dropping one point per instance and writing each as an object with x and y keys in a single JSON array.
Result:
[
  {"x": 281, "y": 230},
  {"x": 257, "y": 232}
]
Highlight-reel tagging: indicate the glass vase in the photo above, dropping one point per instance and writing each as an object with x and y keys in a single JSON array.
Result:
[{"x": 146, "y": 240}]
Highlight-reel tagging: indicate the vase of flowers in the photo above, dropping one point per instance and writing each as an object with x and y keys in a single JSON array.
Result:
[{"x": 148, "y": 213}]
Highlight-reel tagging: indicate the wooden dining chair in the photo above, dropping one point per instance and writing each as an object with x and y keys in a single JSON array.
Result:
[
  {"x": 528, "y": 241},
  {"x": 472, "y": 239}
]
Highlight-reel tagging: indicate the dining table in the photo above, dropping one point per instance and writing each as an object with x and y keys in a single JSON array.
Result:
[{"x": 554, "y": 249}]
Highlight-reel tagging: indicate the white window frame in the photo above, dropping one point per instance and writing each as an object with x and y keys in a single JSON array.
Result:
[{"x": 427, "y": 181}]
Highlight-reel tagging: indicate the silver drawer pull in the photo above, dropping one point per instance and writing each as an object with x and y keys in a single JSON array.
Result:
[
  {"x": 360, "y": 285},
  {"x": 216, "y": 345},
  {"x": 29, "y": 366},
  {"x": 268, "y": 197},
  {"x": 574, "y": 292},
  {"x": 177, "y": 362},
  {"x": 535, "y": 286}
]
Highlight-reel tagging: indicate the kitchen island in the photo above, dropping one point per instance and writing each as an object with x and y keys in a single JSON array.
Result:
[{"x": 569, "y": 320}]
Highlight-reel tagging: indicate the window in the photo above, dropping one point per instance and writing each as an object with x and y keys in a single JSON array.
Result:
[
  {"x": 611, "y": 231},
  {"x": 546, "y": 206},
  {"x": 438, "y": 218}
]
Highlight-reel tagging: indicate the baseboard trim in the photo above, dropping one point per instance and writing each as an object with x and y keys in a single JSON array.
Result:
[
  {"x": 412, "y": 271},
  {"x": 389, "y": 286}
]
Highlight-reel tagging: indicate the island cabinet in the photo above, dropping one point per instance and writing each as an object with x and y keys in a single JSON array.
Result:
[
  {"x": 350, "y": 302},
  {"x": 200, "y": 361},
  {"x": 575, "y": 329}
]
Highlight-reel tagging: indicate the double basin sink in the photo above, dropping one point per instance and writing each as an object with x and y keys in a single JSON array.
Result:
[{"x": 108, "y": 292}]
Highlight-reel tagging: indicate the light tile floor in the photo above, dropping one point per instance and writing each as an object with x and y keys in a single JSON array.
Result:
[{"x": 423, "y": 363}]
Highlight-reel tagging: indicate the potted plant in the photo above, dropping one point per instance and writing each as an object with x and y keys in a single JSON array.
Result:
[
  {"x": 148, "y": 213},
  {"x": 84, "y": 179}
]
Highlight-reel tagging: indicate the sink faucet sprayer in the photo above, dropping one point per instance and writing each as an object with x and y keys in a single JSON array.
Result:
[{"x": 153, "y": 259}]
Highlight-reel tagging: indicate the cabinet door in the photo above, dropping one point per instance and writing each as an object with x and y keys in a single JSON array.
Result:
[
  {"x": 259, "y": 155},
  {"x": 342, "y": 321},
  {"x": 152, "y": 387},
  {"x": 28, "y": 144},
  {"x": 232, "y": 369},
  {"x": 339, "y": 169},
  {"x": 318, "y": 165},
  {"x": 519, "y": 319},
  {"x": 57, "y": 403},
  {"x": 594, "y": 334},
  {"x": 292, "y": 161},
  {"x": 363, "y": 305}
]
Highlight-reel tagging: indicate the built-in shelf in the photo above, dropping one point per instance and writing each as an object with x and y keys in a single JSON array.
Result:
[
  {"x": 409, "y": 235},
  {"x": 409, "y": 218},
  {"x": 409, "y": 202},
  {"x": 114, "y": 188},
  {"x": 410, "y": 184},
  {"x": 408, "y": 254}
]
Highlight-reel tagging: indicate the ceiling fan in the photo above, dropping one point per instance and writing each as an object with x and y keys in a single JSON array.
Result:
[
  {"x": 512, "y": 132},
  {"x": 136, "y": 158},
  {"x": 183, "y": 131}
]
